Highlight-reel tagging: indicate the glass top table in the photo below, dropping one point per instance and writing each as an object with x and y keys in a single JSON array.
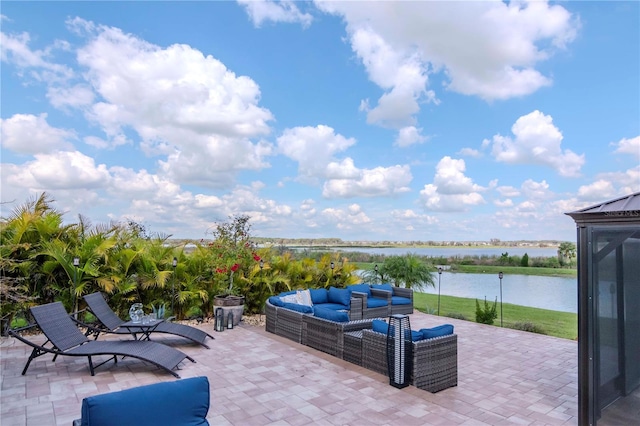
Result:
[{"x": 142, "y": 330}]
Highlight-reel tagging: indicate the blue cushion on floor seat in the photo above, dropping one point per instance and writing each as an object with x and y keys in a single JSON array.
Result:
[
  {"x": 397, "y": 300},
  {"x": 180, "y": 402},
  {"x": 332, "y": 306}
]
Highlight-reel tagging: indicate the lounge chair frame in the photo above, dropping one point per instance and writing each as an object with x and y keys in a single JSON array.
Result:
[
  {"x": 64, "y": 338},
  {"x": 109, "y": 322}
]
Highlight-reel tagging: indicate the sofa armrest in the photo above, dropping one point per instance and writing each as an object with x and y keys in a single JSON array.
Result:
[
  {"x": 382, "y": 294},
  {"x": 184, "y": 401},
  {"x": 403, "y": 292}
]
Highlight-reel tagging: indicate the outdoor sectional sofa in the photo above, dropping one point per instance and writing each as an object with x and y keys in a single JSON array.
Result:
[{"x": 434, "y": 365}]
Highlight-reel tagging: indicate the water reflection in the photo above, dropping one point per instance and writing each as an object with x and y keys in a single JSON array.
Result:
[{"x": 554, "y": 293}]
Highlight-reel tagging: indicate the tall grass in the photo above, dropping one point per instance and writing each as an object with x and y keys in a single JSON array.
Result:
[{"x": 554, "y": 323}]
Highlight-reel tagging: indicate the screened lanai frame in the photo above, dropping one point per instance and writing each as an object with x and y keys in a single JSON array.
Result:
[{"x": 608, "y": 249}]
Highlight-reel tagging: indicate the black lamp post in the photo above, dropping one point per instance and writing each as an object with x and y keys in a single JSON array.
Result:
[
  {"x": 333, "y": 265},
  {"x": 500, "y": 275},
  {"x": 76, "y": 263},
  {"x": 375, "y": 268},
  {"x": 439, "y": 275},
  {"x": 174, "y": 263}
]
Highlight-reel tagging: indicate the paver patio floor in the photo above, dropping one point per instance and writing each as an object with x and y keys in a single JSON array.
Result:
[{"x": 504, "y": 377}]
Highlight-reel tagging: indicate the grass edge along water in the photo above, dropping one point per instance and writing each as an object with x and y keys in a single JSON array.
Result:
[{"x": 554, "y": 323}]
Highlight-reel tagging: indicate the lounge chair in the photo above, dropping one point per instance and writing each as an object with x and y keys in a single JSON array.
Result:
[
  {"x": 111, "y": 323},
  {"x": 65, "y": 338}
]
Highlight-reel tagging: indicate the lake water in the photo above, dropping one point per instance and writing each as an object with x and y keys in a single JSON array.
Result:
[
  {"x": 456, "y": 251},
  {"x": 554, "y": 293}
]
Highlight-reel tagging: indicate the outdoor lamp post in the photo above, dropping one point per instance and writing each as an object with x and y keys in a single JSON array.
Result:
[
  {"x": 76, "y": 263},
  {"x": 375, "y": 268},
  {"x": 173, "y": 284},
  {"x": 500, "y": 275},
  {"x": 439, "y": 275}
]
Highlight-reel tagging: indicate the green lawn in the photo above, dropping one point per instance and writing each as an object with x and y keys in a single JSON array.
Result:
[{"x": 554, "y": 323}]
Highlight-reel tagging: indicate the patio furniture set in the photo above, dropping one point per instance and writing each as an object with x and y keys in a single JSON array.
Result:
[
  {"x": 65, "y": 338},
  {"x": 354, "y": 333}
]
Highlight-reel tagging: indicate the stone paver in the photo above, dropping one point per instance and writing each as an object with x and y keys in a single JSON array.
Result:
[{"x": 504, "y": 377}]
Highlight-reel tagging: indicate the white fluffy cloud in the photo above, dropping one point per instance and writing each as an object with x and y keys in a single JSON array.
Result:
[
  {"x": 283, "y": 11},
  {"x": 451, "y": 189},
  {"x": 488, "y": 49},
  {"x": 409, "y": 135},
  {"x": 315, "y": 150},
  {"x": 30, "y": 134},
  {"x": 536, "y": 140},
  {"x": 629, "y": 146}
]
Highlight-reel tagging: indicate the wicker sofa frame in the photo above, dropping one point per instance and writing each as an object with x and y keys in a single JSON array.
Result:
[
  {"x": 288, "y": 323},
  {"x": 397, "y": 291},
  {"x": 328, "y": 336},
  {"x": 434, "y": 361}
]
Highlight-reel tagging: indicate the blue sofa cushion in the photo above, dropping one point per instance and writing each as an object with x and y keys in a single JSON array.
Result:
[
  {"x": 385, "y": 287},
  {"x": 382, "y": 327},
  {"x": 339, "y": 295},
  {"x": 441, "y": 330},
  {"x": 305, "y": 309},
  {"x": 416, "y": 336},
  {"x": 330, "y": 314},
  {"x": 180, "y": 402},
  {"x": 276, "y": 301},
  {"x": 360, "y": 288},
  {"x": 398, "y": 300},
  {"x": 319, "y": 295},
  {"x": 379, "y": 326},
  {"x": 332, "y": 306},
  {"x": 375, "y": 302}
]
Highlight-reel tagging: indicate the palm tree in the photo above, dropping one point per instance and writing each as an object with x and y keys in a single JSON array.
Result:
[
  {"x": 566, "y": 250},
  {"x": 408, "y": 271}
]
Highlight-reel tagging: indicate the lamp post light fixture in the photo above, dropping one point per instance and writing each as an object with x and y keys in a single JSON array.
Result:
[
  {"x": 439, "y": 275},
  {"x": 76, "y": 263},
  {"x": 174, "y": 263},
  {"x": 375, "y": 268},
  {"x": 500, "y": 275}
]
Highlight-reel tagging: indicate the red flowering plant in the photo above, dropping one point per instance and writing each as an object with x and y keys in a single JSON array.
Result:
[{"x": 233, "y": 252}]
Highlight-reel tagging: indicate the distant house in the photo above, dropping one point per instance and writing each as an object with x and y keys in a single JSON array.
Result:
[{"x": 608, "y": 245}]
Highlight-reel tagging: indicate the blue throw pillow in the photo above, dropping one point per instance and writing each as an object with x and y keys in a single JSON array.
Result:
[
  {"x": 276, "y": 301},
  {"x": 441, "y": 330},
  {"x": 331, "y": 315},
  {"x": 305, "y": 309},
  {"x": 339, "y": 295},
  {"x": 360, "y": 288},
  {"x": 379, "y": 326},
  {"x": 385, "y": 287},
  {"x": 319, "y": 295}
]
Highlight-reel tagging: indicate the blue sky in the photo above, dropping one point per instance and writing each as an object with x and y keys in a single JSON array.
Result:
[{"x": 397, "y": 121}]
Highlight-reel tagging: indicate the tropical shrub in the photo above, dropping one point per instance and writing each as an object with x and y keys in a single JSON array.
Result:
[{"x": 488, "y": 313}]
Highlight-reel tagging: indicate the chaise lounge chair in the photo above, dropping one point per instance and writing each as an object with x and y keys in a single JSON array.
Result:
[
  {"x": 111, "y": 323},
  {"x": 65, "y": 338}
]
